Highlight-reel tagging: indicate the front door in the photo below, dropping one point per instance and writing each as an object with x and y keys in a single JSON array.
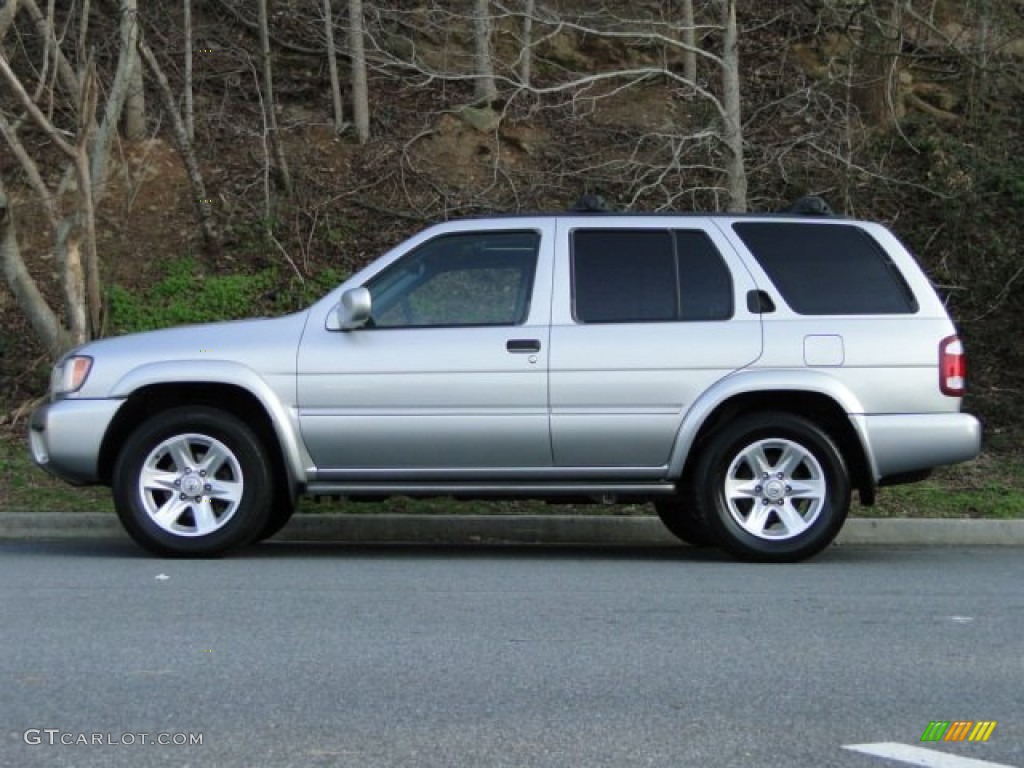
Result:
[{"x": 449, "y": 377}]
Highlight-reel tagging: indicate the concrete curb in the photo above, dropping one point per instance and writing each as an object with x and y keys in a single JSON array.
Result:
[{"x": 523, "y": 529}]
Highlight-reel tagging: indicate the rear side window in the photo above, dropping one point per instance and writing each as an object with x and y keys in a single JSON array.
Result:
[
  {"x": 649, "y": 275},
  {"x": 828, "y": 269}
]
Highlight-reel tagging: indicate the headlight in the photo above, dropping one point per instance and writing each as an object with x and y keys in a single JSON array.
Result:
[{"x": 70, "y": 375}]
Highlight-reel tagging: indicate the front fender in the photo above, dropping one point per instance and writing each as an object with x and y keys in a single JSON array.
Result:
[{"x": 277, "y": 401}]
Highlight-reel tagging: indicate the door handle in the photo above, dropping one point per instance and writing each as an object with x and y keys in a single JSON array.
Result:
[{"x": 523, "y": 346}]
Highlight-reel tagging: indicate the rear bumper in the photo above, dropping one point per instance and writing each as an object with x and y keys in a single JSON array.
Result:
[
  {"x": 65, "y": 437},
  {"x": 899, "y": 444}
]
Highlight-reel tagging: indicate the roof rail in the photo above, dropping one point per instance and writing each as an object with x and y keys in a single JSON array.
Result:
[
  {"x": 590, "y": 204},
  {"x": 811, "y": 205}
]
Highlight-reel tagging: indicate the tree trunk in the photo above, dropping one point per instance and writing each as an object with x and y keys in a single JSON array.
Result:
[
  {"x": 26, "y": 292},
  {"x": 526, "y": 58},
  {"x": 84, "y": 218},
  {"x": 357, "y": 51},
  {"x": 690, "y": 40},
  {"x": 190, "y": 110},
  {"x": 485, "y": 88},
  {"x": 99, "y": 151},
  {"x": 7, "y": 14},
  {"x": 83, "y": 32},
  {"x": 135, "y": 107},
  {"x": 135, "y": 101},
  {"x": 332, "y": 67},
  {"x": 877, "y": 56},
  {"x": 269, "y": 105},
  {"x": 69, "y": 257},
  {"x": 733, "y": 134},
  {"x": 202, "y": 203},
  {"x": 67, "y": 74}
]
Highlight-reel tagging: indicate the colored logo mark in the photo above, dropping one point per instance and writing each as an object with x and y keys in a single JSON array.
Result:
[{"x": 958, "y": 730}]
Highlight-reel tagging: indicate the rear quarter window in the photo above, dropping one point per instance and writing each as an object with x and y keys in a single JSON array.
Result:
[{"x": 828, "y": 269}]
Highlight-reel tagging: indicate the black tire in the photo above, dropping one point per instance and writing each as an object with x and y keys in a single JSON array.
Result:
[
  {"x": 772, "y": 516},
  {"x": 209, "y": 486},
  {"x": 681, "y": 518},
  {"x": 281, "y": 511}
]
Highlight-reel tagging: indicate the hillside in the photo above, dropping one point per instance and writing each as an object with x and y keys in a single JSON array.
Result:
[{"x": 610, "y": 109}]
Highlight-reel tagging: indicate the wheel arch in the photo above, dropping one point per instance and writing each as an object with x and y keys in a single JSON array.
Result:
[
  {"x": 817, "y": 398},
  {"x": 260, "y": 410}
]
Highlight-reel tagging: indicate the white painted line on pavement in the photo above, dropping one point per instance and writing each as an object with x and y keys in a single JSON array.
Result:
[{"x": 927, "y": 758}]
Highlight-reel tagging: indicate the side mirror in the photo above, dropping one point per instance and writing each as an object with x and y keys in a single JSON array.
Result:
[{"x": 354, "y": 309}]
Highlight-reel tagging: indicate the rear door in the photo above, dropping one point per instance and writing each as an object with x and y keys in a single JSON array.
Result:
[{"x": 648, "y": 312}]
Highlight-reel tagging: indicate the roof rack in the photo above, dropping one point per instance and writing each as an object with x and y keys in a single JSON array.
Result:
[
  {"x": 591, "y": 204},
  {"x": 811, "y": 205}
]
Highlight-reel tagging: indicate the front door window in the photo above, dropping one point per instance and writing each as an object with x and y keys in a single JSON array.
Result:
[{"x": 474, "y": 279}]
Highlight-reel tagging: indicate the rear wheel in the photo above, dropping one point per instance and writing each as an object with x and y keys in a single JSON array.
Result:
[
  {"x": 193, "y": 481},
  {"x": 772, "y": 487}
]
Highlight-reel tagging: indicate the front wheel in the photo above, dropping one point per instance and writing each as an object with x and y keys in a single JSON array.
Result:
[
  {"x": 683, "y": 522},
  {"x": 193, "y": 481},
  {"x": 281, "y": 511},
  {"x": 772, "y": 487}
]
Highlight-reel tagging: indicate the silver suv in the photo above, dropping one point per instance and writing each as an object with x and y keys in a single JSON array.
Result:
[{"x": 744, "y": 373}]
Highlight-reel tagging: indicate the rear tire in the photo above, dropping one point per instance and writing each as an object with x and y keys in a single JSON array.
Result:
[
  {"x": 193, "y": 481},
  {"x": 772, "y": 487}
]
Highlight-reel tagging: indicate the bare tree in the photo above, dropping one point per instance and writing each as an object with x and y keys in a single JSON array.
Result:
[
  {"x": 731, "y": 102},
  {"x": 186, "y": 149},
  {"x": 332, "y": 66},
  {"x": 67, "y": 76},
  {"x": 269, "y": 104},
  {"x": 526, "y": 60},
  {"x": 7, "y": 14},
  {"x": 135, "y": 100},
  {"x": 877, "y": 58},
  {"x": 190, "y": 127},
  {"x": 691, "y": 153},
  {"x": 357, "y": 54},
  {"x": 41, "y": 317},
  {"x": 72, "y": 217},
  {"x": 484, "y": 87},
  {"x": 690, "y": 42}
]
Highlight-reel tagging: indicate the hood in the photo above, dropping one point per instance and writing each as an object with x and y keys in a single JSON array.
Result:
[{"x": 267, "y": 346}]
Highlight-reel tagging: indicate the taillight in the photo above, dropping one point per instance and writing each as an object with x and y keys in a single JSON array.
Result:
[{"x": 952, "y": 367}]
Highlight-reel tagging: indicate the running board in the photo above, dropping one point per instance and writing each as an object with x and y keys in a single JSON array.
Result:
[{"x": 490, "y": 489}]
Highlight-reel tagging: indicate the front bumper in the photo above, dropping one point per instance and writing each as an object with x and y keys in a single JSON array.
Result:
[
  {"x": 65, "y": 437},
  {"x": 899, "y": 444}
]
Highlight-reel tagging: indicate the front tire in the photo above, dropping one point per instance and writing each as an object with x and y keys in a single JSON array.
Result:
[
  {"x": 193, "y": 481},
  {"x": 281, "y": 511},
  {"x": 681, "y": 518},
  {"x": 772, "y": 487}
]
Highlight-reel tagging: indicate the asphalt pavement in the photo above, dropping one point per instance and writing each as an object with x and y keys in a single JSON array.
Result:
[
  {"x": 644, "y": 530},
  {"x": 326, "y": 654}
]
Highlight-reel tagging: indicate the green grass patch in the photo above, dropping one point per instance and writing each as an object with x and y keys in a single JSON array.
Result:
[
  {"x": 24, "y": 487},
  {"x": 185, "y": 295},
  {"x": 991, "y": 486}
]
